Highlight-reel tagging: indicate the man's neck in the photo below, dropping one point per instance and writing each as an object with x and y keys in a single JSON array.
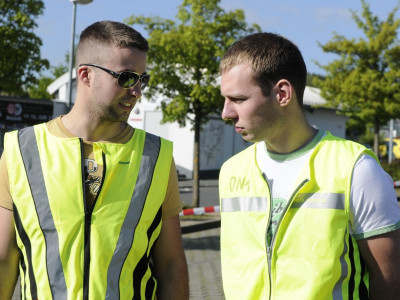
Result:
[
  {"x": 90, "y": 130},
  {"x": 291, "y": 139}
]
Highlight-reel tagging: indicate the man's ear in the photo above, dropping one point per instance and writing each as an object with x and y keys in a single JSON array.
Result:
[
  {"x": 84, "y": 75},
  {"x": 285, "y": 92}
]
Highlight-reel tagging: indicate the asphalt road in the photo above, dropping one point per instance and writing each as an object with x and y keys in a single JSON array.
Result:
[{"x": 208, "y": 192}]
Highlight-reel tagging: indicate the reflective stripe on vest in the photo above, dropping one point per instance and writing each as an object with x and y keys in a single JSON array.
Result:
[
  {"x": 34, "y": 172},
  {"x": 125, "y": 240},
  {"x": 314, "y": 200},
  {"x": 243, "y": 204}
]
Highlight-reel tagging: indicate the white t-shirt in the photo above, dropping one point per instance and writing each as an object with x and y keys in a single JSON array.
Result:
[{"x": 373, "y": 204}]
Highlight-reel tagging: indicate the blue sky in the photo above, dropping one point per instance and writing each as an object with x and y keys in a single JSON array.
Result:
[{"x": 305, "y": 22}]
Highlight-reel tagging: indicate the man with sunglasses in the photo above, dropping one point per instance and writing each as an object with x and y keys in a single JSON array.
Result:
[
  {"x": 89, "y": 205},
  {"x": 304, "y": 214}
]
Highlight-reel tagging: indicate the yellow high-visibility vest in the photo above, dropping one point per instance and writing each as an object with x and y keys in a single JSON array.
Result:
[
  {"x": 313, "y": 256},
  {"x": 69, "y": 250}
]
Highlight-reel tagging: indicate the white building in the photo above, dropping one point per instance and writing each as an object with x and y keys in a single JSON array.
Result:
[{"x": 218, "y": 140}]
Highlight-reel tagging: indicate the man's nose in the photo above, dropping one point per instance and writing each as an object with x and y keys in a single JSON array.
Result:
[
  {"x": 228, "y": 112},
  {"x": 136, "y": 90}
]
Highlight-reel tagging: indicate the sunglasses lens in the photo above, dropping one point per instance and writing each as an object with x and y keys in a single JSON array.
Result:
[
  {"x": 127, "y": 79},
  {"x": 144, "y": 81}
]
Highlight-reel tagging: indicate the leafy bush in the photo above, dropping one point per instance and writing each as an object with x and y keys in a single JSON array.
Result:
[{"x": 392, "y": 169}]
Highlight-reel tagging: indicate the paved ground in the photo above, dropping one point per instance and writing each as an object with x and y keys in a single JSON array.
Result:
[
  {"x": 202, "y": 251},
  {"x": 202, "y": 248}
]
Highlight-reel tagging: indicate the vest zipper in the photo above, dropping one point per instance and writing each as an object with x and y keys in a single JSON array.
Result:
[
  {"x": 265, "y": 235},
  {"x": 270, "y": 252},
  {"x": 269, "y": 217},
  {"x": 88, "y": 223}
]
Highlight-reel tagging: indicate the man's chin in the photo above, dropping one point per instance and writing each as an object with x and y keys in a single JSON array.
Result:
[{"x": 246, "y": 137}]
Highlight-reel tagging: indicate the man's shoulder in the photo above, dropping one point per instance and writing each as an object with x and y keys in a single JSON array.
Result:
[
  {"x": 335, "y": 146},
  {"x": 335, "y": 141},
  {"x": 152, "y": 135}
]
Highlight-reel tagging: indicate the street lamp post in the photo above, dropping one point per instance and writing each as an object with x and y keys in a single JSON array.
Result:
[{"x": 71, "y": 52}]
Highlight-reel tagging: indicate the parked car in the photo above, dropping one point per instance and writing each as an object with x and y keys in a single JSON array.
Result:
[{"x": 384, "y": 146}]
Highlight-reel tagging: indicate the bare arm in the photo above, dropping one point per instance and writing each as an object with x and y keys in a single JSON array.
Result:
[
  {"x": 9, "y": 255},
  {"x": 170, "y": 262},
  {"x": 382, "y": 257}
]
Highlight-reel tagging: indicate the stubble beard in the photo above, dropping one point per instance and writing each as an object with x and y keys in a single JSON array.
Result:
[
  {"x": 111, "y": 115},
  {"x": 107, "y": 113}
]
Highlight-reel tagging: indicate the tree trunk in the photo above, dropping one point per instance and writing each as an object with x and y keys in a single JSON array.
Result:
[
  {"x": 376, "y": 138},
  {"x": 196, "y": 163}
]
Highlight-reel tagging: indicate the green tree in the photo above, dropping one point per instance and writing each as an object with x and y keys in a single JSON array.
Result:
[
  {"x": 184, "y": 63},
  {"x": 364, "y": 81},
  {"x": 39, "y": 89},
  {"x": 59, "y": 70},
  {"x": 20, "y": 59},
  {"x": 311, "y": 81}
]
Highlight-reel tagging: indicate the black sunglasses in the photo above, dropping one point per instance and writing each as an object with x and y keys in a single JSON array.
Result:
[{"x": 125, "y": 79}]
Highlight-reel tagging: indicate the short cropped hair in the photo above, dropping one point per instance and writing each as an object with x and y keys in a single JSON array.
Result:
[
  {"x": 107, "y": 33},
  {"x": 272, "y": 58}
]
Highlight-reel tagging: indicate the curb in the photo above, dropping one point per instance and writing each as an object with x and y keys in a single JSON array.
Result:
[{"x": 200, "y": 226}]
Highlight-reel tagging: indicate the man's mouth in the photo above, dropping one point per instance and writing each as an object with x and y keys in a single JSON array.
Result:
[
  {"x": 239, "y": 129},
  {"x": 126, "y": 104}
]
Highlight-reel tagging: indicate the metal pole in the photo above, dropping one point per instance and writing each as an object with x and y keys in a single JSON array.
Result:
[{"x": 71, "y": 57}]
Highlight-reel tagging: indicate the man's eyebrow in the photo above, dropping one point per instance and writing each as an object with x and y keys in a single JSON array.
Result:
[{"x": 238, "y": 96}]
